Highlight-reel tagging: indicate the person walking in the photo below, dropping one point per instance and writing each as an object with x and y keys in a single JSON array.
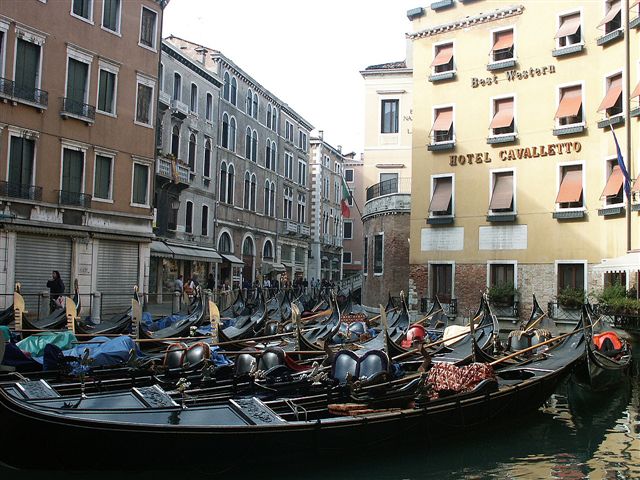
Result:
[
  {"x": 178, "y": 286},
  {"x": 56, "y": 288}
]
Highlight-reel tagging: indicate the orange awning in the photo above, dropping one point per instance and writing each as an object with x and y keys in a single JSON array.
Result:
[
  {"x": 444, "y": 120},
  {"x": 570, "y": 25},
  {"x": 636, "y": 185},
  {"x": 613, "y": 11},
  {"x": 444, "y": 55},
  {"x": 614, "y": 184},
  {"x": 504, "y": 114},
  {"x": 613, "y": 93},
  {"x": 570, "y": 102},
  {"x": 441, "y": 195},
  {"x": 503, "y": 40},
  {"x": 571, "y": 187},
  {"x": 636, "y": 91},
  {"x": 502, "y": 196}
]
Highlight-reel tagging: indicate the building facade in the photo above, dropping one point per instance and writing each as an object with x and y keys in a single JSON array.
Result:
[
  {"x": 516, "y": 185},
  {"x": 353, "y": 237},
  {"x": 327, "y": 223},
  {"x": 79, "y": 86}
]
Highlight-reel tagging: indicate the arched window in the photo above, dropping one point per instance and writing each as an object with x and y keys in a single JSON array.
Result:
[
  {"x": 233, "y": 96},
  {"x": 224, "y": 243},
  {"x": 267, "y": 251},
  {"x": 247, "y": 144},
  {"x": 161, "y": 78},
  {"x": 208, "y": 112},
  {"x": 267, "y": 189},
  {"x": 192, "y": 152},
  {"x": 274, "y": 120},
  {"x": 177, "y": 86},
  {"x": 193, "y": 104},
  {"x": 175, "y": 141},
  {"x": 254, "y": 146},
  {"x": 269, "y": 116},
  {"x": 188, "y": 222},
  {"x": 205, "y": 221},
  {"x": 247, "y": 247},
  {"x": 223, "y": 182},
  {"x": 267, "y": 154},
  {"x": 225, "y": 130},
  {"x": 232, "y": 134},
  {"x": 254, "y": 112},
  {"x": 207, "y": 159},
  {"x": 248, "y": 102},
  {"x": 272, "y": 201},
  {"x": 247, "y": 184},
  {"x": 253, "y": 192},
  {"x": 227, "y": 85},
  {"x": 274, "y": 156},
  {"x": 230, "y": 184}
]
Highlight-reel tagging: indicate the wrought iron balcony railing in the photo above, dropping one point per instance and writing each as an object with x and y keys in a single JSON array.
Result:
[
  {"x": 388, "y": 187},
  {"x": 18, "y": 190},
  {"x": 77, "y": 109},
  {"x": 8, "y": 88},
  {"x": 74, "y": 198}
]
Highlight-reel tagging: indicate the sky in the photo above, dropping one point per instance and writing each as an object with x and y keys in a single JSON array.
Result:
[{"x": 308, "y": 53}]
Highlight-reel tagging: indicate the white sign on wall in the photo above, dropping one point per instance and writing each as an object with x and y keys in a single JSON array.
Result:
[
  {"x": 503, "y": 237},
  {"x": 442, "y": 239}
]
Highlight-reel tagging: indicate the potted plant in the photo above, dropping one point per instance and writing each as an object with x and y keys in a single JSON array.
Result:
[
  {"x": 571, "y": 298},
  {"x": 502, "y": 294}
]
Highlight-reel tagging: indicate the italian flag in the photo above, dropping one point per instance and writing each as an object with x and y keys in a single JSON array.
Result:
[{"x": 344, "y": 203}]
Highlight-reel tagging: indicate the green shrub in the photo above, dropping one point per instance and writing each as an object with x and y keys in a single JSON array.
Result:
[
  {"x": 502, "y": 293},
  {"x": 571, "y": 297}
]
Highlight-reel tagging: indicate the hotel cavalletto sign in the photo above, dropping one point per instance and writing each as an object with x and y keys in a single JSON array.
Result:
[{"x": 509, "y": 154}]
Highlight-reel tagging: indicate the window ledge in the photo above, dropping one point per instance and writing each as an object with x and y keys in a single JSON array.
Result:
[
  {"x": 441, "y": 4},
  {"x": 15, "y": 100},
  {"x": 88, "y": 120},
  {"x": 611, "y": 211},
  {"x": 439, "y": 220},
  {"x": 635, "y": 23},
  {"x": 501, "y": 64},
  {"x": 635, "y": 112},
  {"x": 102, "y": 200},
  {"x": 502, "y": 139},
  {"x": 84, "y": 19},
  {"x": 501, "y": 217},
  {"x": 610, "y": 37},
  {"x": 635, "y": 207},
  {"x": 571, "y": 214},
  {"x": 112, "y": 32},
  {"x": 571, "y": 49},
  {"x": 568, "y": 130},
  {"x": 145, "y": 125},
  {"x": 440, "y": 77},
  {"x": 612, "y": 121},
  {"x": 147, "y": 47},
  {"x": 437, "y": 147}
]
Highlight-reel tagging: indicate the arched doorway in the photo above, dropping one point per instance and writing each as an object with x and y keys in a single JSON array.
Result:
[
  {"x": 224, "y": 246},
  {"x": 248, "y": 258}
]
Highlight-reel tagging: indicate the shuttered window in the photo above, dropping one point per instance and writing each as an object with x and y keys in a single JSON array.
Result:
[
  {"x": 102, "y": 186},
  {"x": 27, "y": 66},
  {"x": 140, "y": 183},
  {"x": 77, "y": 74},
  {"x": 148, "y": 28},
  {"x": 143, "y": 104},
  {"x": 82, "y": 8},
  {"x": 111, "y": 15},
  {"x": 21, "y": 161},
  {"x": 106, "y": 91},
  {"x": 72, "y": 171}
]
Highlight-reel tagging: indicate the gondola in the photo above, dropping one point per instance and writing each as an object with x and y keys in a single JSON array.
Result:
[
  {"x": 608, "y": 357},
  {"x": 246, "y": 326},
  {"x": 237, "y": 308},
  {"x": 7, "y": 315},
  {"x": 53, "y": 321},
  {"x": 118, "y": 323},
  {"x": 318, "y": 333},
  {"x": 538, "y": 328},
  {"x": 233, "y": 427},
  {"x": 181, "y": 327}
]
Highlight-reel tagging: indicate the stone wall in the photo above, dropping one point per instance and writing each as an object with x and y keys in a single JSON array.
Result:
[{"x": 470, "y": 282}]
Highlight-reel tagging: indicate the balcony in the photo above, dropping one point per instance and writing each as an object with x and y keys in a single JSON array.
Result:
[
  {"x": 326, "y": 239},
  {"x": 74, "y": 109},
  {"x": 337, "y": 242},
  {"x": 18, "y": 190},
  {"x": 179, "y": 109},
  {"x": 389, "y": 187},
  {"x": 31, "y": 96},
  {"x": 74, "y": 199},
  {"x": 289, "y": 228},
  {"x": 305, "y": 230},
  {"x": 450, "y": 308},
  {"x": 173, "y": 170},
  {"x": 164, "y": 100}
]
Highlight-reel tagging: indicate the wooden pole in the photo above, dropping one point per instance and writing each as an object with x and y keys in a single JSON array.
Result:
[{"x": 530, "y": 327}]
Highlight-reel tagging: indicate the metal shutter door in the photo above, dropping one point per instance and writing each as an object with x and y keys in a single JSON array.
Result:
[
  {"x": 36, "y": 258},
  {"x": 117, "y": 274}
]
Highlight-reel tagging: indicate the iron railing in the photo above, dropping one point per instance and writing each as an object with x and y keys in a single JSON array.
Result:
[
  {"x": 388, "y": 187},
  {"x": 19, "y": 190},
  {"x": 73, "y": 198},
  {"x": 564, "y": 313},
  {"x": 9, "y": 88},
  {"x": 78, "y": 109},
  {"x": 450, "y": 308}
]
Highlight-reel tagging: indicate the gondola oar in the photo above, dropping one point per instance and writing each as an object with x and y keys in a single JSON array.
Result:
[{"x": 530, "y": 327}]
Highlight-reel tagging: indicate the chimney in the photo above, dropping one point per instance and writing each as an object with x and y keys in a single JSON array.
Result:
[
  {"x": 321, "y": 133},
  {"x": 340, "y": 148}
]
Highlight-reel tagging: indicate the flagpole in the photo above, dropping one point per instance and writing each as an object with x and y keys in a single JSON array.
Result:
[{"x": 627, "y": 111}]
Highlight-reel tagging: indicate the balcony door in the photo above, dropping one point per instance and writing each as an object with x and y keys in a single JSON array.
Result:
[
  {"x": 27, "y": 67},
  {"x": 72, "y": 171},
  {"x": 442, "y": 282},
  {"x": 21, "y": 164},
  {"x": 77, "y": 82}
]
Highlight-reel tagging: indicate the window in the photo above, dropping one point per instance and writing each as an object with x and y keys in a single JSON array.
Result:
[
  {"x": 223, "y": 182},
  {"x": 252, "y": 205},
  {"x": 443, "y": 58},
  {"x": 254, "y": 111},
  {"x": 442, "y": 130},
  {"x": 615, "y": 278},
  {"x": 111, "y": 15},
  {"x": 302, "y": 141},
  {"x": 288, "y": 131},
  {"x": 72, "y": 171},
  {"x": 442, "y": 282},
  {"x": 27, "y": 68},
  {"x": 148, "y": 28},
  {"x": 441, "y": 196},
  {"x": 613, "y": 193},
  {"x": 570, "y": 190},
  {"x": 502, "y": 48},
  {"x": 388, "y": 183},
  {"x": 569, "y": 30},
  {"x": 247, "y": 186},
  {"x": 254, "y": 146},
  {"x": 346, "y": 257},
  {"x": 102, "y": 177},
  {"x": 274, "y": 119},
  {"x": 107, "y": 90},
  {"x": 348, "y": 175},
  {"x": 570, "y": 106},
  {"x": 177, "y": 86},
  {"x": 570, "y": 275},
  {"x": 348, "y": 230},
  {"x": 302, "y": 172},
  {"x": 224, "y": 243},
  {"x": 161, "y": 77},
  {"x": 249, "y": 103},
  {"x": 302, "y": 206},
  {"x": 209, "y": 108},
  {"x": 267, "y": 198},
  {"x": 193, "y": 104},
  {"x": 140, "y": 184},
  {"x": 247, "y": 144},
  {"x": 230, "y": 185},
  {"x": 350, "y": 199},
  {"x": 229, "y": 132},
  {"x": 192, "y": 152},
  {"x": 272, "y": 199},
  {"x": 188, "y": 221},
  {"x": 267, "y": 251},
  {"x": 336, "y": 192},
  {"x": 503, "y": 122},
  {"x": 83, "y": 9},
  {"x": 269, "y": 119},
  {"x": 77, "y": 85},
  {"x": 502, "y": 193},
  {"x": 274, "y": 156},
  {"x": 233, "y": 95},
  {"x": 503, "y": 275},
  {"x": 205, "y": 221},
  {"x": 175, "y": 141},
  {"x": 613, "y": 19},
  {"x": 144, "y": 101},
  {"x": 232, "y": 134},
  {"x": 612, "y": 102},
  {"x": 365, "y": 256},
  {"x": 288, "y": 165},
  {"x": 389, "y": 117},
  {"x": 21, "y": 166},
  {"x": 206, "y": 170},
  {"x": 287, "y": 203},
  {"x": 378, "y": 254},
  {"x": 226, "y": 87},
  {"x": 225, "y": 131},
  {"x": 267, "y": 154}
]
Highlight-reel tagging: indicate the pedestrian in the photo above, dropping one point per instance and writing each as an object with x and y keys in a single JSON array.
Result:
[
  {"x": 211, "y": 282},
  {"x": 56, "y": 288},
  {"x": 178, "y": 286}
]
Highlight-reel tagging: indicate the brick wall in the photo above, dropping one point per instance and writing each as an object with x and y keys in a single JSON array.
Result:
[
  {"x": 470, "y": 282},
  {"x": 418, "y": 285}
]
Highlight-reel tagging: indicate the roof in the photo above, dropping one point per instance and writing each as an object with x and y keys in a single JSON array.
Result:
[{"x": 388, "y": 66}]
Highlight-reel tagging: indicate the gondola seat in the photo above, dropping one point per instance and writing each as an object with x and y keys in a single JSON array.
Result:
[
  {"x": 196, "y": 355},
  {"x": 345, "y": 366},
  {"x": 245, "y": 364},
  {"x": 273, "y": 362},
  {"x": 373, "y": 367},
  {"x": 174, "y": 355},
  {"x": 271, "y": 328}
]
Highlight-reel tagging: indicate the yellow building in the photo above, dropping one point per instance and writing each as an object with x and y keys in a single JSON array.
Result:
[{"x": 515, "y": 175}]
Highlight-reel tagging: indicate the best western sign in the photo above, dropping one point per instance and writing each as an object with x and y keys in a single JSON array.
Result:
[
  {"x": 513, "y": 75},
  {"x": 509, "y": 154}
]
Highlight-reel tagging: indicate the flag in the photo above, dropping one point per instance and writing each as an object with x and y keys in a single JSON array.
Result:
[
  {"x": 623, "y": 169},
  {"x": 344, "y": 203}
]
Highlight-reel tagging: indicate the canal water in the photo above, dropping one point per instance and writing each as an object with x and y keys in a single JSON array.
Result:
[{"x": 576, "y": 435}]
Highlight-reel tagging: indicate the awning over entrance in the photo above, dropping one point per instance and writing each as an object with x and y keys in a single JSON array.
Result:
[
  {"x": 625, "y": 263},
  {"x": 232, "y": 259},
  {"x": 159, "y": 249},
  {"x": 184, "y": 252}
]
